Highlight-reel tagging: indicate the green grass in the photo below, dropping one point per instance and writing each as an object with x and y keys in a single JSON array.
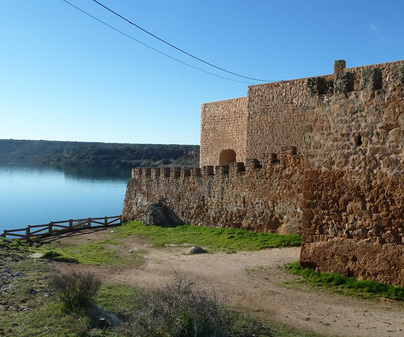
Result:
[
  {"x": 49, "y": 320},
  {"x": 31, "y": 305},
  {"x": 348, "y": 285},
  {"x": 15, "y": 244},
  {"x": 31, "y": 308},
  {"x": 27, "y": 304},
  {"x": 118, "y": 298},
  {"x": 106, "y": 251},
  {"x": 55, "y": 256},
  {"x": 100, "y": 252},
  {"x": 215, "y": 239}
]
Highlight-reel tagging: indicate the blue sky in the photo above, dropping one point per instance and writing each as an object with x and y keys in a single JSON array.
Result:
[{"x": 65, "y": 76}]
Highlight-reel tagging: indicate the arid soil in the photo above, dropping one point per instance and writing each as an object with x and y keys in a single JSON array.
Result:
[{"x": 254, "y": 282}]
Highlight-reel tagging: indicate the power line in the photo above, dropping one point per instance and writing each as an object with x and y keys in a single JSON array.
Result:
[
  {"x": 147, "y": 46},
  {"x": 175, "y": 47}
]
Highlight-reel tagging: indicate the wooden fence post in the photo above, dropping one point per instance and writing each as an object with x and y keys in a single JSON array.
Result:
[
  {"x": 71, "y": 226},
  {"x": 28, "y": 233}
]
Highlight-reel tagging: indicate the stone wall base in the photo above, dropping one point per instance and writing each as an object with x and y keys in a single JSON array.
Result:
[{"x": 363, "y": 260}]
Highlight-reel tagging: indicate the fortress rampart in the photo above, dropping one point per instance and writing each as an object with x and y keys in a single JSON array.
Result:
[
  {"x": 353, "y": 190},
  {"x": 338, "y": 178},
  {"x": 353, "y": 224},
  {"x": 225, "y": 196}
]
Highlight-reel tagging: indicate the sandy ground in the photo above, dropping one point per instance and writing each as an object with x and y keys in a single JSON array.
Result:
[{"x": 255, "y": 282}]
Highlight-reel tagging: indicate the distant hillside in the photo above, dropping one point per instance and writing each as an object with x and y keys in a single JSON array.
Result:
[{"x": 97, "y": 154}]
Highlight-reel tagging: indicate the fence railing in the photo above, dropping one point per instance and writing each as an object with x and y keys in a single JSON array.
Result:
[{"x": 55, "y": 227}]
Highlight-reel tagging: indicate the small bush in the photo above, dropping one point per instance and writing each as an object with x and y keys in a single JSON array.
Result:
[
  {"x": 76, "y": 290},
  {"x": 178, "y": 311}
]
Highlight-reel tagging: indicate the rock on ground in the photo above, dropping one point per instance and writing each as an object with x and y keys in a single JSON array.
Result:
[{"x": 159, "y": 214}]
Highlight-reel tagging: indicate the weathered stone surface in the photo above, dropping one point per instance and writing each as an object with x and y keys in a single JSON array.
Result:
[
  {"x": 397, "y": 73},
  {"x": 354, "y": 224},
  {"x": 223, "y": 127},
  {"x": 345, "y": 186},
  {"x": 195, "y": 250},
  {"x": 316, "y": 86},
  {"x": 264, "y": 198},
  {"x": 339, "y": 66},
  {"x": 36, "y": 256},
  {"x": 344, "y": 82},
  {"x": 371, "y": 79},
  {"x": 366, "y": 259},
  {"x": 159, "y": 214}
]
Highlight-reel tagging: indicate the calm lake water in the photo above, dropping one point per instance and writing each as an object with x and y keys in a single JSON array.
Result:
[{"x": 31, "y": 195}]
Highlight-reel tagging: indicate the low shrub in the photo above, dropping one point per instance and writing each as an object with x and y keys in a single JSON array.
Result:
[
  {"x": 76, "y": 290},
  {"x": 179, "y": 311}
]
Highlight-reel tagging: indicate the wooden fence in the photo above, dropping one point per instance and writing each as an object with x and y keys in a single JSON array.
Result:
[{"x": 56, "y": 227}]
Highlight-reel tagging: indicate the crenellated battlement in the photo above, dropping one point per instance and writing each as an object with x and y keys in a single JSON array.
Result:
[
  {"x": 250, "y": 166},
  {"x": 341, "y": 183},
  {"x": 369, "y": 78},
  {"x": 238, "y": 194}
]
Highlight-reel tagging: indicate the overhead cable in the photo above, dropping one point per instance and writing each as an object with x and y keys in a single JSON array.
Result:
[
  {"x": 147, "y": 46},
  {"x": 175, "y": 47}
]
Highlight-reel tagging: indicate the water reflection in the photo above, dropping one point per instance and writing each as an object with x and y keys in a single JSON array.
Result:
[
  {"x": 95, "y": 173},
  {"x": 37, "y": 194}
]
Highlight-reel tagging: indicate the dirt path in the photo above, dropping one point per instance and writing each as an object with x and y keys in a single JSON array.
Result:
[{"x": 255, "y": 281}]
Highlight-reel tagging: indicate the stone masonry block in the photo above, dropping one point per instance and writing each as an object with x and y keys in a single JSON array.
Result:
[
  {"x": 344, "y": 82},
  {"x": 185, "y": 172},
  {"x": 252, "y": 164},
  {"x": 175, "y": 172},
  {"x": 339, "y": 66},
  {"x": 316, "y": 86},
  {"x": 371, "y": 79},
  {"x": 196, "y": 172},
  {"x": 236, "y": 167},
  {"x": 220, "y": 170},
  {"x": 397, "y": 73},
  {"x": 207, "y": 171},
  {"x": 313, "y": 174},
  {"x": 135, "y": 172},
  {"x": 155, "y": 172},
  {"x": 166, "y": 172}
]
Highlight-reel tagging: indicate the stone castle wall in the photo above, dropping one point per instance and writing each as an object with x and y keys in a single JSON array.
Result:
[
  {"x": 276, "y": 117},
  {"x": 358, "y": 124},
  {"x": 354, "y": 225},
  {"x": 223, "y": 127},
  {"x": 353, "y": 206},
  {"x": 262, "y": 197},
  {"x": 342, "y": 180}
]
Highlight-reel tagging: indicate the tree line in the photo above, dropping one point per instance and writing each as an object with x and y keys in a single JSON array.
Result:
[{"x": 62, "y": 153}]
